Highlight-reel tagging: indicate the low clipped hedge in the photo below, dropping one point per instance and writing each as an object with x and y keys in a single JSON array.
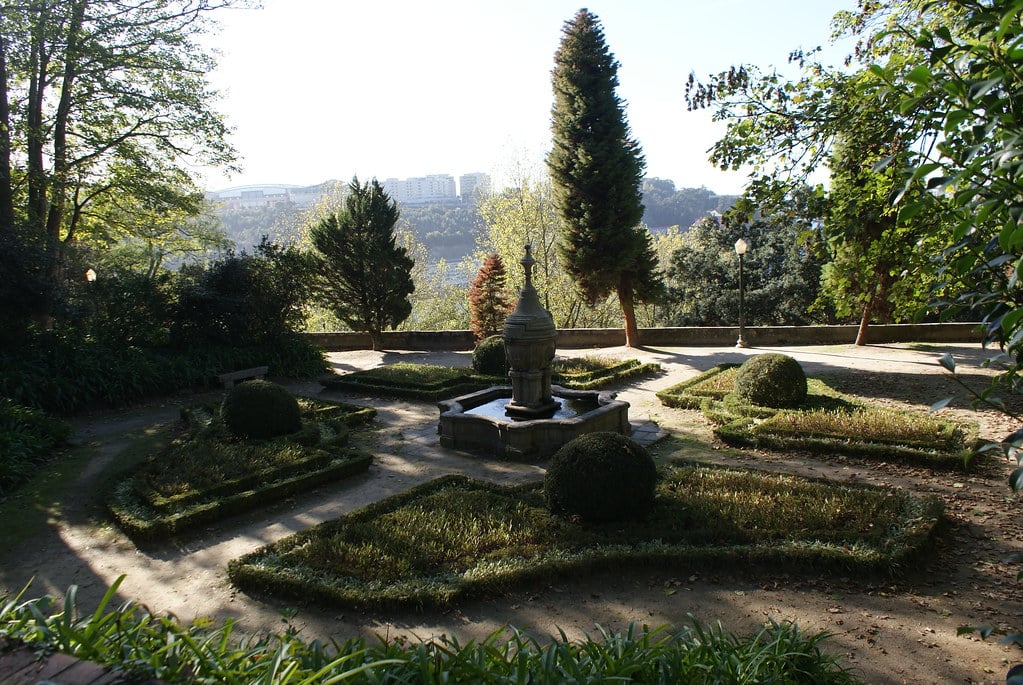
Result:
[
  {"x": 386, "y": 554},
  {"x": 714, "y": 383},
  {"x": 210, "y": 475},
  {"x": 430, "y": 382},
  {"x": 947, "y": 444}
]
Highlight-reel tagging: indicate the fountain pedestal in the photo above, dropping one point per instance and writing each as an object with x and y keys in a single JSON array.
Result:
[
  {"x": 533, "y": 423},
  {"x": 529, "y": 344}
]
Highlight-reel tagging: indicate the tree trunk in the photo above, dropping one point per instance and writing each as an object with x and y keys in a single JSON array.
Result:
[
  {"x": 6, "y": 185},
  {"x": 861, "y": 334},
  {"x": 377, "y": 340},
  {"x": 629, "y": 312}
]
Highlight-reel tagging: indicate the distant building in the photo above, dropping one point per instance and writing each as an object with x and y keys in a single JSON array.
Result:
[
  {"x": 258, "y": 196},
  {"x": 435, "y": 188},
  {"x": 471, "y": 186}
]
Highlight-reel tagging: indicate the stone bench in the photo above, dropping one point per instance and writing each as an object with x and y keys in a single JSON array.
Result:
[{"x": 229, "y": 379}]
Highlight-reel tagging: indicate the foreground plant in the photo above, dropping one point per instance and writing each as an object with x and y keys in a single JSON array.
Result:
[{"x": 144, "y": 645}]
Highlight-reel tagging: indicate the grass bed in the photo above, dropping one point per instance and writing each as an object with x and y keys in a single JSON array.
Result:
[
  {"x": 828, "y": 423},
  {"x": 430, "y": 382},
  {"x": 205, "y": 474},
  {"x": 453, "y": 537},
  {"x": 145, "y": 646}
]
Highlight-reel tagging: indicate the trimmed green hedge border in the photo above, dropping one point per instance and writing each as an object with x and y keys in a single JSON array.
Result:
[
  {"x": 371, "y": 383},
  {"x": 142, "y": 529},
  {"x": 251, "y": 572},
  {"x": 145, "y": 517},
  {"x": 688, "y": 394},
  {"x": 737, "y": 433},
  {"x": 734, "y": 419}
]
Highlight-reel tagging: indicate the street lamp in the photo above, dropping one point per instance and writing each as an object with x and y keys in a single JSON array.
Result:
[
  {"x": 90, "y": 275},
  {"x": 740, "y": 249}
]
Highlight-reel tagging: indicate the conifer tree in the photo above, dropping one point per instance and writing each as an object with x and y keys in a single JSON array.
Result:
[
  {"x": 597, "y": 170},
  {"x": 489, "y": 301},
  {"x": 362, "y": 275}
]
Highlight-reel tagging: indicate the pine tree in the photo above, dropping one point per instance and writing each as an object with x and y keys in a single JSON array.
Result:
[
  {"x": 362, "y": 275},
  {"x": 489, "y": 301},
  {"x": 597, "y": 171}
]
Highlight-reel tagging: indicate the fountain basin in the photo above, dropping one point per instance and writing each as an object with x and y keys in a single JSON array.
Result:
[{"x": 477, "y": 422}]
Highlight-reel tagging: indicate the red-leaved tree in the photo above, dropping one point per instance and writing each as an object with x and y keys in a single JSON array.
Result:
[{"x": 489, "y": 298}]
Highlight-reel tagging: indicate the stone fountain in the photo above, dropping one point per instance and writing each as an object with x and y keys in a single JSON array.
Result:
[{"x": 531, "y": 418}]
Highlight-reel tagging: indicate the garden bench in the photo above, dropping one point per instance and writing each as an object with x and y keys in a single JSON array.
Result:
[{"x": 229, "y": 379}]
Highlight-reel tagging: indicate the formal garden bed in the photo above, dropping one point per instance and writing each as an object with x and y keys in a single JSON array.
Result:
[
  {"x": 826, "y": 423},
  {"x": 206, "y": 473},
  {"x": 453, "y": 537},
  {"x": 431, "y": 382}
]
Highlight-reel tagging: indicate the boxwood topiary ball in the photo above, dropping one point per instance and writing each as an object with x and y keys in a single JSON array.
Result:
[
  {"x": 489, "y": 358},
  {"x": 600, "y": 477},
  {"x": 771, "y": 380},
  {"x": 260, "y": 409}
]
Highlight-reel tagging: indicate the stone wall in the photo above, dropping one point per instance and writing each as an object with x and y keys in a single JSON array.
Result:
[{"x": 762, "y": 336}]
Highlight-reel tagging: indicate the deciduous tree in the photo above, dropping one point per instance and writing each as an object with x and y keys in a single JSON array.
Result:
[
  {"x": 597, "y": 172},
  {"x": 102, "y": 97}
]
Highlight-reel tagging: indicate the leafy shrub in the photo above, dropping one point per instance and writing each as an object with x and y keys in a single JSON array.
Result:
[
  {"x": 242, "y": 299},
  {"x": 771, "y": 380},
  {"x": 26, "y": 438},
  {"x": 63, "y": 374},
  {"x": 128, "y": 309},
  {"x": 489, "y": 358},
  {"x": 601, "y": 477},
  {"x": 260, "y": 409},
  {"x": 133, "y": 641}
]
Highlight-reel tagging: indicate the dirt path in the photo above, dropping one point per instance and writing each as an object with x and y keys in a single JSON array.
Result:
[{"x": 891, "y": 631}]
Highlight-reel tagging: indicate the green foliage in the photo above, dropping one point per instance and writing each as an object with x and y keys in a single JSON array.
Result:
[
  {"x": 147, "y": 646},
  {"x": 771, "y": 380},
  {"x": 787, "y": 130},
  {"x": 600, "y": 477},
  {"x": 242, "y": 299},
  {"x": 597, "y": 173},
  {"x": 86, "y": 120},
  {"x": 489, "y": 299},
  {"x": 362, "y": 275},
  {"x": 489, "y": 358},
  {"x": 781, "y": 270},
  {"x": 27, "y": 439},
  {"x": 126, "y": 308},
  {"x": 963, "y": 92},
  {"x": 260, "y": 409},
  {"x": 454, "y": 538},
  {"x": 64, "y": 374}
]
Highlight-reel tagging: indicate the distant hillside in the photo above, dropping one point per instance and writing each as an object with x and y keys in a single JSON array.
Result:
[{"x": 447, "y": 230}]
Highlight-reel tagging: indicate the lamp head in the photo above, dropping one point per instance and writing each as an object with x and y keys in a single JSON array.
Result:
[{"x": 741, "y": 246}]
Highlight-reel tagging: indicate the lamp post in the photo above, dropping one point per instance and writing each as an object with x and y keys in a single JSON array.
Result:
[{"x": 740, "y": 249}]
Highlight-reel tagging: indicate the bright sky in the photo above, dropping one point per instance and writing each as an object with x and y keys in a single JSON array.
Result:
[{"x": 322, "y": 89}]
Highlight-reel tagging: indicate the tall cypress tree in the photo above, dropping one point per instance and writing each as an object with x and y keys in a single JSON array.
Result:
[
  {"x": 597, "y": 171},
  {"x": 362, "y": 275}
]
